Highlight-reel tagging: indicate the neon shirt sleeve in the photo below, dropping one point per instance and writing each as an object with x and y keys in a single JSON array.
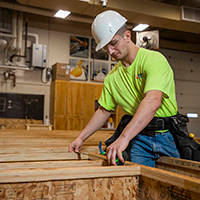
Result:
[
  {"x": 159, "y": 76},
  {"x": 106, "y": 100}
]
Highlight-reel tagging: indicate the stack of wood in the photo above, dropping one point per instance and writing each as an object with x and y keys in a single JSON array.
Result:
[{"x": 37, "y": 165}]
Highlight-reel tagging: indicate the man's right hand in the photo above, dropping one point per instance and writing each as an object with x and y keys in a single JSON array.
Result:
[{"x": 75, "y": 146}]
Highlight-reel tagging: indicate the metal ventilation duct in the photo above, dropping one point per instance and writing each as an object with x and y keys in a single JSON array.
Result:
[{"x": 190, "y": 14}]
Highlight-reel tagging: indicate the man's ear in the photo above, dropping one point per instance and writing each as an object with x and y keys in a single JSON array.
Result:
[{"x": 127, "y": 35}]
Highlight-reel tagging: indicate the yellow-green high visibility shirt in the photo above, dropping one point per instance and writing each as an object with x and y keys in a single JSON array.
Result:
[{"x": 127, "y": 86}]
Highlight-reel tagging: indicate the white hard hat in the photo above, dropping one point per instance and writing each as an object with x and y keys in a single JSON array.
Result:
[{"x": 105, "y": 26}]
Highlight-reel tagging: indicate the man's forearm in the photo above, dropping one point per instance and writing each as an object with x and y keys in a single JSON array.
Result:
[
  {"x": 95, "y": 123},
  {"x": 142, "y": 117}
]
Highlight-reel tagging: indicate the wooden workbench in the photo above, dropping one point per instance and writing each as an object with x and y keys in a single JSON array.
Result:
[{"x": 37, "y": 165}]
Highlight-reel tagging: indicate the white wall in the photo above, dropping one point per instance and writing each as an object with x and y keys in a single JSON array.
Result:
[
  {"x": 186, "y": 67},
  {"x": 57, "y": 40}
]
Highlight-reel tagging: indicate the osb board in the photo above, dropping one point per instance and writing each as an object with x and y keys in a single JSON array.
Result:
[
  {"x": 179, "y": 166},
  {"x": 97, "y": 189},
  {"x": 150, "y": 189},
  {"x": 18, "y": 123},
  {"x": 182, "y": 181}
]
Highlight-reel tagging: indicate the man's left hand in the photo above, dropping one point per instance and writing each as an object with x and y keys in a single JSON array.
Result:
[{"x": 115, "y": 149}]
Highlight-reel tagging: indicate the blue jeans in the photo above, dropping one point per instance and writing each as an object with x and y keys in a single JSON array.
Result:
[{"x": 145, "y": 150}]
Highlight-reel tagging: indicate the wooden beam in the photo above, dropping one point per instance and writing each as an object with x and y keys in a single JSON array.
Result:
[
  {"x": 35, "y": 175},
  {"x": 160, "y": 190},
  {"x": 180, "y": 166},
  {"x": 52, "y": 164},
  {"x": 182, "y": 181},
  {"x": 41, "y": 156},
  {"x": 38, "y": 127},
  {"x": 45, "y": 149}
]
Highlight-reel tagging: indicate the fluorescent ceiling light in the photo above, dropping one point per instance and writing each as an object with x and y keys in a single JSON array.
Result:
[
  {"x": 62, "y": 14},
  {"x": 140, "y": 27},
  {"x": 192, "y": 115}
]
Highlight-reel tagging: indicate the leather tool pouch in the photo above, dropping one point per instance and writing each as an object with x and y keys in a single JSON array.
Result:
[
  {"x": 177, "y": 125},
  {"x": 187, "y": 147}
]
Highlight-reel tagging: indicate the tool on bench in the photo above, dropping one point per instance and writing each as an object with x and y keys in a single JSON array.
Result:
[{"x": 118, "y": 161}]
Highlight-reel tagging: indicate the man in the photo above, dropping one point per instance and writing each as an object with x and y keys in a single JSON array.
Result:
[{"x": 142, "y": 84}]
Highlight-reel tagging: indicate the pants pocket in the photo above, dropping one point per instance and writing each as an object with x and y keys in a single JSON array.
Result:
[{"x": 170, "y": 139}]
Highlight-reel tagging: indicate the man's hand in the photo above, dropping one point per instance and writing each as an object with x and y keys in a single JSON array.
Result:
[
  {"x": 115, "y": 149},
  {"x": 75, "y": 146}
]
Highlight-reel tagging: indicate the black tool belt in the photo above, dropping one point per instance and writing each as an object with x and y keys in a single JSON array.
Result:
[
  {"x": 157, "y": 123},
  {"x": 177, "y": 125}
]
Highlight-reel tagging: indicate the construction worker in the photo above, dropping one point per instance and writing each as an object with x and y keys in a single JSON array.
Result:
[{"x": 142, "y": 84}]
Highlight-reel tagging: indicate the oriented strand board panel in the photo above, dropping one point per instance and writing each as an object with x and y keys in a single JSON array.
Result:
[
  {"x": 150, "y": 189},
  {"x": 97, "y": 188}
]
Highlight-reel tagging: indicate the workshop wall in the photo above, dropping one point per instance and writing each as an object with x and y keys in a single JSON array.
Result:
[
  {"x": 55, "y": 33},
  {"x": 186, "y": 67}
]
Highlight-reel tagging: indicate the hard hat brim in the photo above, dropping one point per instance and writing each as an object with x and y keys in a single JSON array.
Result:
[{"x": 104, "y": 42}]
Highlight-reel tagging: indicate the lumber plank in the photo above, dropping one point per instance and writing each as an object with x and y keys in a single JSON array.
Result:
[
  {"x": 180, "y": 166},
  {"x": 182, "y": 181},
  {"x": 35, "y": 175},
  {"x": 41, "y": 156},
  {"x": 52, "y": 164},
  {"x": 45, "y": 149}
]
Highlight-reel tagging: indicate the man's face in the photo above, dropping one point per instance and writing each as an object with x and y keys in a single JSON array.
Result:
[{"x": 117, "y": 47}]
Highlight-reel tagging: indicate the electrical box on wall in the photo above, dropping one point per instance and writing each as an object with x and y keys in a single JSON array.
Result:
[{"x": 38, "y": 55}]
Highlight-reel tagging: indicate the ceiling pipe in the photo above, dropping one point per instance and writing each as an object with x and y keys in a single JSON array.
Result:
[
  {"x": 3, "y": 44},
  {"x": 7, "y": 35},
  {"x": 36, "y": 37},
  {"x": 4, "y": 30},
  {"x": 19, "y": 32},
  {"x": 14, "y": 32},
  {"x": 19, "y": 41}
]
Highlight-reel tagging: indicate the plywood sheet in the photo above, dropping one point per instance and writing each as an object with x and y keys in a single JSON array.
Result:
[
  {"x": 152, "y": 189},
  {"x": 82, "y": 189}
]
